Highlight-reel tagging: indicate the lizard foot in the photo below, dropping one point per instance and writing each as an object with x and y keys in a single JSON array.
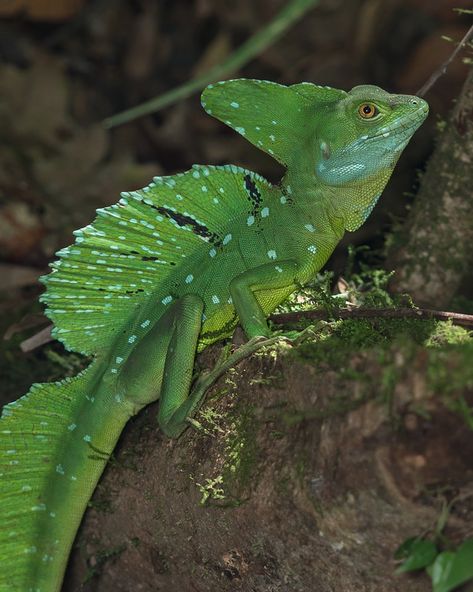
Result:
[
  {"x": 207, "y": 379},
  {"x": 297, "y": 337}
]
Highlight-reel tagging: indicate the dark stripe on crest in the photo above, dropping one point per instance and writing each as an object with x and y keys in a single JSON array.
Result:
[
  {"x": 253, "y": 193},
  {"x": 196, "y": 227}
]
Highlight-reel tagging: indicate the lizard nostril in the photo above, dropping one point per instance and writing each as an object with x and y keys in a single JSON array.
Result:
[{"x": 414, "y": 102}]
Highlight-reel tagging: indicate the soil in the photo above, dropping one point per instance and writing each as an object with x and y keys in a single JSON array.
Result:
[{"x": 306, "y": 475}]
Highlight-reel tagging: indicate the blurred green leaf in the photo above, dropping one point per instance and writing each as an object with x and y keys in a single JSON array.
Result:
[
  {"x": 404, "y": 549},
  {"x": 417, "y": 552},
  {"x": 451, "y": 569}
]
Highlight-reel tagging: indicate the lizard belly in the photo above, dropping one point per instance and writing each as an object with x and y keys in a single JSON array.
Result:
[{"x": 219, "y": 317}]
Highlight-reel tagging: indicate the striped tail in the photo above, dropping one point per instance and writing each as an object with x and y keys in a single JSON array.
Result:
[{"x": 54, "y": 444}]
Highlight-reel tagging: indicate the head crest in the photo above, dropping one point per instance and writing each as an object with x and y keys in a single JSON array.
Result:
[{"x": 273, "y": 117}]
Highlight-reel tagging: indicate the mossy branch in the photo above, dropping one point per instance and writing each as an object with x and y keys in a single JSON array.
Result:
[
  {"x": 456, "y": 318},
  {"x": 463, "y": 320}
]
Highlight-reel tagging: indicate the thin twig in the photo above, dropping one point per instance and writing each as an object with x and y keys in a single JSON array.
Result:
[
  {"x": 37, "y": 340},
  {"x": 443, "y": 68},
  {"x": 251, "y": 48},
  {"x": 457, "y": 318}
]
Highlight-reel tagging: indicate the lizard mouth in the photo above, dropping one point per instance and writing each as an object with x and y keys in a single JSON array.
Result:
[{"x": 403, "y": 127}]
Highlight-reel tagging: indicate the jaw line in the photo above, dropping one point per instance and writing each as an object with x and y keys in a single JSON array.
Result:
[
  {"x": 406, "y": 124},
  {"x": 400, "y": 131}
]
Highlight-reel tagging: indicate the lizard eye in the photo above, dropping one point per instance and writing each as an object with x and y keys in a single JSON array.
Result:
[{"x": 367, "y": 110}]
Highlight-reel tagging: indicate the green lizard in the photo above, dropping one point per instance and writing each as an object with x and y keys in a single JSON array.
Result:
[{"x": 171, "y": 269}]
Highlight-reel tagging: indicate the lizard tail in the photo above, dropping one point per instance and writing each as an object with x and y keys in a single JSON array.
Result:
[{"x": 54, "y": 444}]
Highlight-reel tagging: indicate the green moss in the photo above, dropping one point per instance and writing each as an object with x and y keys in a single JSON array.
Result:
[
  {"x": 339, "y": 405},
  {"x": 339, "y": 340},
  {"x": 450, "y": 376},
  {"x": 450, "y": 369},
  {"x": 211, "y": 418},
  {"x": 211, "y": 489},
  {"x": 449, "y": 351},
  {"x": 446, "y": 333},
  {"x": 241, "y": 450},
  {"x": 235, "y": 465},
  {"x": 462, "y": 304}
]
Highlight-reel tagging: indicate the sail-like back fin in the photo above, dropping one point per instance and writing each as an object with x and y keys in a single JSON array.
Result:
[
  {"x": 121, "y": 262},
  {"x": 273, "y": 117}
]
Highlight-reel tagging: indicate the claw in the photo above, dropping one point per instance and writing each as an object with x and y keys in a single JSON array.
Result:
[
  {"x": 297, "y": 337},
  {"x": 195, "y": 424},
  {"x": 206, "y": 380}
]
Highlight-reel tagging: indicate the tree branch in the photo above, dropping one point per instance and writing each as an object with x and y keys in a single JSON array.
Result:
[
  {"x": 443, "y": 68},
  {"x": 457, "y": 318}
]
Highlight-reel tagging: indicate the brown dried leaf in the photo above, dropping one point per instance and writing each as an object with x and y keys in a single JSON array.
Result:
[
  {"x": 216, "y": 53},
  {"x": 141, "y": 55},
  {"x": 75, "y": 162},
  {"x": 41, "y": 10},
  {"x": 342, "y": 285},
  {"x": 34, "y": 101}
]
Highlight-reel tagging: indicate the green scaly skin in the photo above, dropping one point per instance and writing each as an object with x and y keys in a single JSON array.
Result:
[{"x": 169, "y": 270}]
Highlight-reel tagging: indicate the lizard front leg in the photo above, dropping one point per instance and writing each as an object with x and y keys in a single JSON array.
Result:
[{"x": 271, "y": 276}]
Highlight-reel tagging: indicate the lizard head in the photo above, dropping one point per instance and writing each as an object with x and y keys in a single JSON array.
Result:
[
  {"x": 358, "y": 142},
  {"x": 364, "y": 134},
  {"x": 348, "y": 141}
]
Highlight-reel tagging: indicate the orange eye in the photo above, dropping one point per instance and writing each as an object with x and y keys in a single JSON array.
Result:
[{"x": 367, "y": 110}]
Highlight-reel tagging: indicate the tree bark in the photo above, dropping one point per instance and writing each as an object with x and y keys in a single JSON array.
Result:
[{"x": 433, "y": 254}]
